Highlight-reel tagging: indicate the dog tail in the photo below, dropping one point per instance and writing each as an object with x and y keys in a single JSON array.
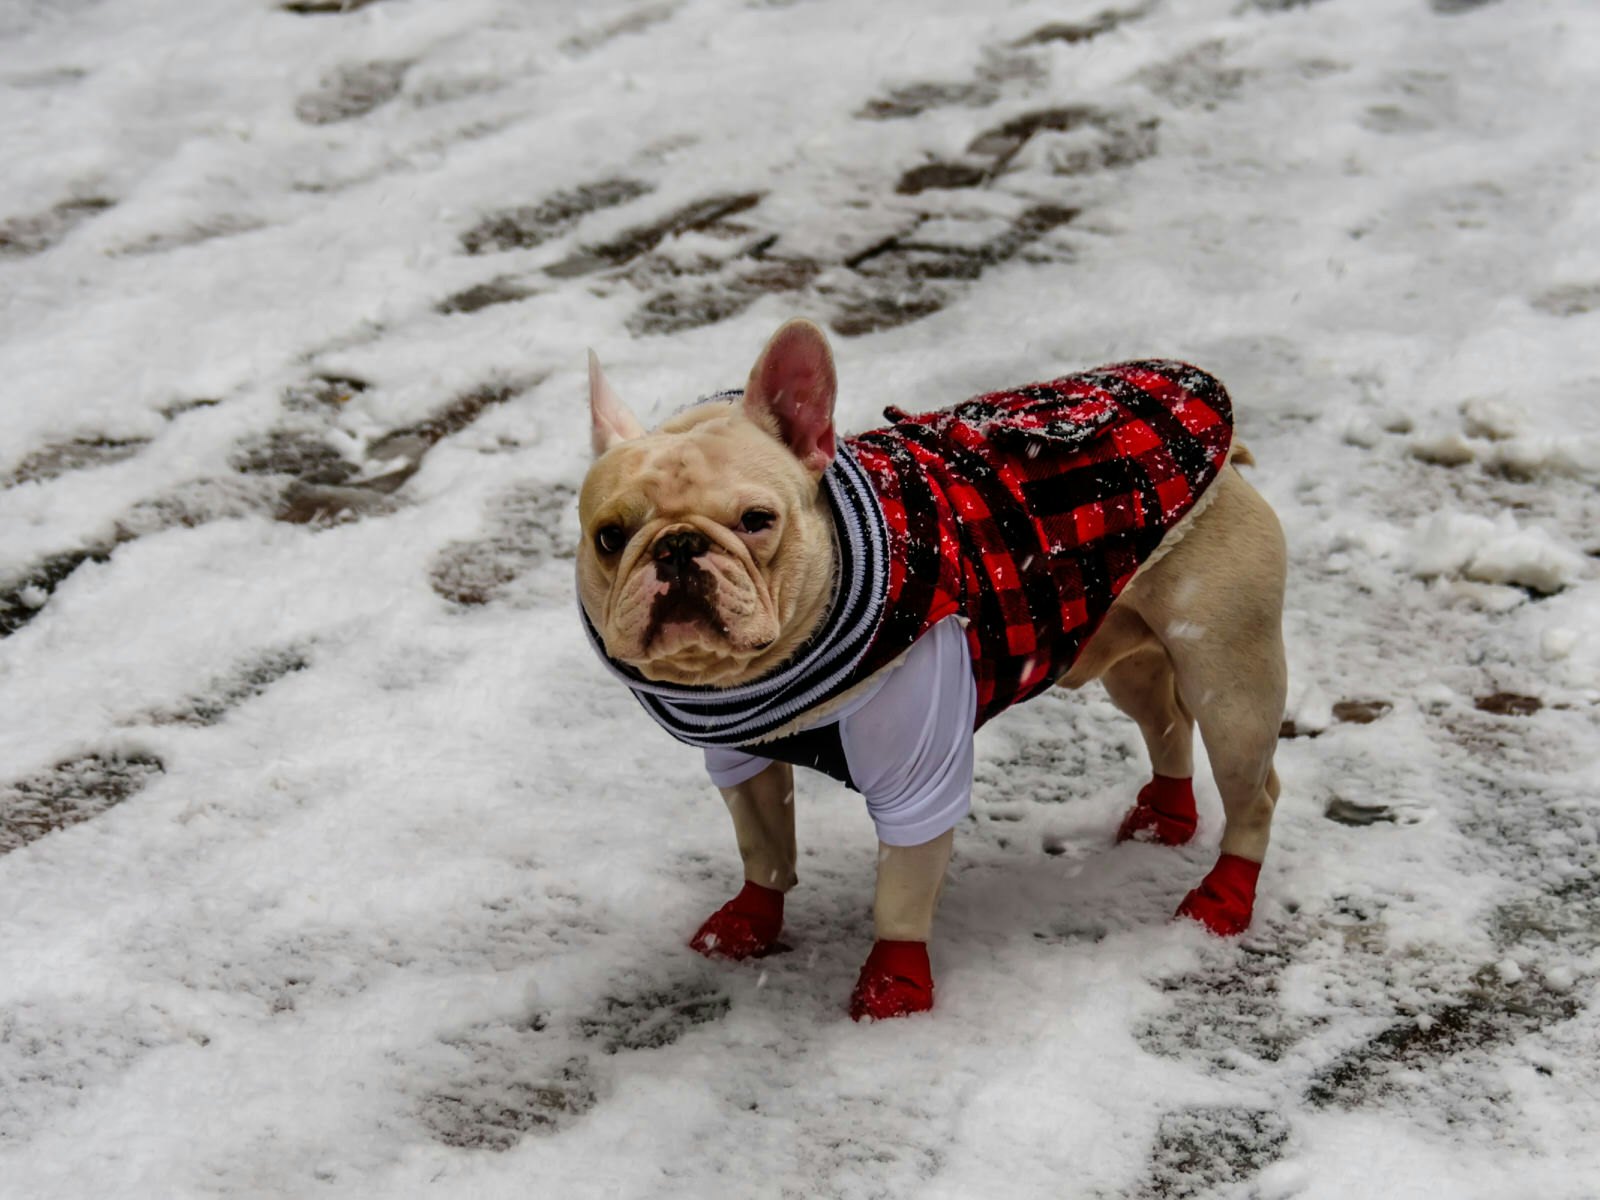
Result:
[{"x": 1239, "y": 455}]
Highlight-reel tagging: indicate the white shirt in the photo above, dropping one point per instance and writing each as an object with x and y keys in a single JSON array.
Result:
[{"x": 907, "y": 740}]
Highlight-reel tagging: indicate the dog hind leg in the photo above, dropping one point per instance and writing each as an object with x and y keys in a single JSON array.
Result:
[
  {"x": 1216, "y": 603},
  {"x": 1240, "y": 738},
  {"x": 1143, "y": 686}
]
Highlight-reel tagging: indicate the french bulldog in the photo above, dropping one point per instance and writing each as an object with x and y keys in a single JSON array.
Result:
[{"x": 777, "y": 597}]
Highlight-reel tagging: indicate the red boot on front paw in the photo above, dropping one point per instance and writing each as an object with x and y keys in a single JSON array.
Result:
[
  {"x": 1163, "y": 813},
  {"x": 895, "y": 981},
  {"x": 746, "y": 926},
  {"x": 1226, "y": 898}
]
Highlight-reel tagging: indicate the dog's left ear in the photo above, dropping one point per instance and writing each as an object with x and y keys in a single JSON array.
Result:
[
  {"x": 791, "y": 391},
  {"x": 612, "y": 422}
]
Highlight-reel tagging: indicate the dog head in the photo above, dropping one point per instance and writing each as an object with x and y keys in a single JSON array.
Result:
[{"x": 707, "y": 549}]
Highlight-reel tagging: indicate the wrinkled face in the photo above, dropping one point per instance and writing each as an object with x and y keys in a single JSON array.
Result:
[{"x": 707, "y": 554}]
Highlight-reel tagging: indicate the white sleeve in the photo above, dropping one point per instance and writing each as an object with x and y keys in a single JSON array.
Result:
[
  {"x": 729, "y": 767},
  {"x": 910, "y": 746}
]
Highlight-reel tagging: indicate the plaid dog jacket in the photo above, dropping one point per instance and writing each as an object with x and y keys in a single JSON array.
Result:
[
  {"x": 1026, "y": 512},
  {"x": 1023, "y": 512}
]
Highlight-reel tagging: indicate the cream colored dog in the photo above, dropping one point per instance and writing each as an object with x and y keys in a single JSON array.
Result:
[{"x": 709, "y": 558}]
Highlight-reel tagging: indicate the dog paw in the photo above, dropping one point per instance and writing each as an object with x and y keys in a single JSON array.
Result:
[
  {"x": 744, "y": 927},
  {"x": 1226, "y": 898},
  {"x": 1164, "y": 813},
  {"x": 895, "y": 981}
]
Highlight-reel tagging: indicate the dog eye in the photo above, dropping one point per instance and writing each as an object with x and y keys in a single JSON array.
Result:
[
  {"x": 610, "y": 538},
  {"x": 755, "y": 520}
]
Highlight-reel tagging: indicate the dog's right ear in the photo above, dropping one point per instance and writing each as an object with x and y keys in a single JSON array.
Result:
[{"x": 611, "y": 421}]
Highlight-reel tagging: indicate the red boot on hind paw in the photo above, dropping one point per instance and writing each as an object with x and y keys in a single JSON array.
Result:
[
  {"x": 1163, "y": 813},
  {"x": 745, "y": 926},
  {"x": 1226, "y": 898},
  {"x": 895, "y": 981}
]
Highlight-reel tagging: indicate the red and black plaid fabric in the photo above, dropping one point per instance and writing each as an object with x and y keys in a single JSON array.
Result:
[{"x": 1028, "y": 511}]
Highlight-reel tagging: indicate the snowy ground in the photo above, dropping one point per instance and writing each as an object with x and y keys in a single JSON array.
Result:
[{"x": 332, "y": 866}]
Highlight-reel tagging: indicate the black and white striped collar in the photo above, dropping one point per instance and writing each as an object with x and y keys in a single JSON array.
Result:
[{"x": 822, "y": 668}]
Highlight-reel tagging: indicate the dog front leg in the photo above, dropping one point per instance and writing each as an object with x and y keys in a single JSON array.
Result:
[
  {"x": 762, "y": 808},
  {"x": 910, "y": 879},
  {"x": 897, "y": 978}
]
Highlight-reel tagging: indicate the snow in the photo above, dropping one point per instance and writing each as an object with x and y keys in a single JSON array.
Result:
[
  {"x": 331, "y": 864},
  {"x": 1493, "y": 551}
]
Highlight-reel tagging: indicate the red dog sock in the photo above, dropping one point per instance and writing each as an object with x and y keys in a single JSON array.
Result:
[
  {"x": 895, "y": 980},
  {"x": 1226, "y": 898},
  {"x": 1164, "y": 813},
  {"x": 746, "y": 925}
]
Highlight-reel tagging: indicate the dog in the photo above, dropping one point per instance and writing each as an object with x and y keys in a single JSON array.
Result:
[{"x": 778, "y": 597}]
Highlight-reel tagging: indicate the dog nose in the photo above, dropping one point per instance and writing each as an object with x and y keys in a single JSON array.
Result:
[{"x": 674, "y": 551}]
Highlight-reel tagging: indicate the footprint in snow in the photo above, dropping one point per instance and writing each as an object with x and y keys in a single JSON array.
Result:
[
  {"x": 1198, "y": 1150},
  {"x": 73, "y": 791},
  {"x": 655, "y": 1017},
  {"x": 21, "y": 237},
  {"x": 352, "y": 91},
  {"x": 502, "y": 1086}
]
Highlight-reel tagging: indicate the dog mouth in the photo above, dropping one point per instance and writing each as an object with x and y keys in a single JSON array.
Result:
[
  {"x": 686, "y": 605},
  {"x": 683, "y": 608}
]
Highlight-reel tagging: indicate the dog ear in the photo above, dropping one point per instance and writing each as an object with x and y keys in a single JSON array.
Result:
[
  {"x": 791, "y": 391},
  {"x": 612, "y": 422}
]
